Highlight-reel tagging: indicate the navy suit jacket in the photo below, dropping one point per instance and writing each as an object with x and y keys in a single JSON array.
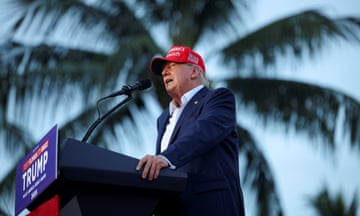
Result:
[{"x": 204, "y": 144}]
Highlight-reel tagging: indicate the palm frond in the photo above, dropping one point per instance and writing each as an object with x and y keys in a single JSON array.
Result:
[
  {"x": 15, "y": 138},
  {"x": 95, "y": 27},
  {"x": 259, "y": 175},
  {"x": 7, "y": 190},
  {"x": 298, "y": 36},
  {"x": 35, "y": 68},
  {"x": 187, "y": 21},
  {"x": 325, "y": 204},
  {"x": 307, "y": 108},
  {"x": 6, "y": 202}
]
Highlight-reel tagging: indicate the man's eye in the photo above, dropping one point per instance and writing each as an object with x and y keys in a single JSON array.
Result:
[{"x": 169, "y": 65}]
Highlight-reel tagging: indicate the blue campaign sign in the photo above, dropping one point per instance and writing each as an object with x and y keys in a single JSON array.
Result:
[{"x": 37, "y": 170}]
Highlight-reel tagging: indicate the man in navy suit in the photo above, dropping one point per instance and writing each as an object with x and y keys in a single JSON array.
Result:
[{"x": 197, "y": 135}]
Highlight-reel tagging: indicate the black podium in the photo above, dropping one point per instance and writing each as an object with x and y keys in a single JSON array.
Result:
[{"x": 96, "y": 181}]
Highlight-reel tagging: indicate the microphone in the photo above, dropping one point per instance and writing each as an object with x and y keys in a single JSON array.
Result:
[{"x": 139, "y": 85}]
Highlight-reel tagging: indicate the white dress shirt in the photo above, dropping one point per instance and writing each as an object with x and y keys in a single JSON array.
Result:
[{"x": 175, "y": 113}]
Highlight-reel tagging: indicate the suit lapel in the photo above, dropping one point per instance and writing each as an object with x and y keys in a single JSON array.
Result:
[
  {"x": 162, "y": 122},
  {"x": 194, "y": 104}
]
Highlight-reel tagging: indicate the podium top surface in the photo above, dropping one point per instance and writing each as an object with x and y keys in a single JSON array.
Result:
[{"x": 91, "y": 164}]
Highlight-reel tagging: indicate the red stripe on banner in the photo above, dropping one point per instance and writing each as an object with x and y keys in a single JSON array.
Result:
[
  {"x": 50, "y": 207},
  {"x": 35, "y": 155}
]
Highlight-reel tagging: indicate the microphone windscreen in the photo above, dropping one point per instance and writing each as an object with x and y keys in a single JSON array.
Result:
[{"x": 144, "y": 84}]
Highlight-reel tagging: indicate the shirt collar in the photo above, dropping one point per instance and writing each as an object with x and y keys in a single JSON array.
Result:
[{"x": 185, "y": 98}]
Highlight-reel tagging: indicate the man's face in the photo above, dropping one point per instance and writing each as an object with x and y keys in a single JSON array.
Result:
[{"x": 177, "y": 78}]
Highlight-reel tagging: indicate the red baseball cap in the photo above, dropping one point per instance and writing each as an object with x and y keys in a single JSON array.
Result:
[{"x": 179, "y": 54}]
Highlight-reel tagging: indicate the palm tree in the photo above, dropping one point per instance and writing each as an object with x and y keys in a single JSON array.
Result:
[
  {"x": 325, "y": 205},
  {"x": 66, "y": 54}
]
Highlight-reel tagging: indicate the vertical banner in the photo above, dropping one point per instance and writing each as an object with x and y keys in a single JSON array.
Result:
[{"x": 37, "y": 170}]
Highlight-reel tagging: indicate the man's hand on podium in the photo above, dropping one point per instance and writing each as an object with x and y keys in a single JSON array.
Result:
[{"x": 152, "y": 165}]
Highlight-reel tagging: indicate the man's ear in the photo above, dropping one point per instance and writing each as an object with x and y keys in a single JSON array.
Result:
[{"x": 195, "y": 72}]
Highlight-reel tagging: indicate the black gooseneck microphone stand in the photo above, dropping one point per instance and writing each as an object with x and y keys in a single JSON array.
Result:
[{"x": 101, "y": 118}]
